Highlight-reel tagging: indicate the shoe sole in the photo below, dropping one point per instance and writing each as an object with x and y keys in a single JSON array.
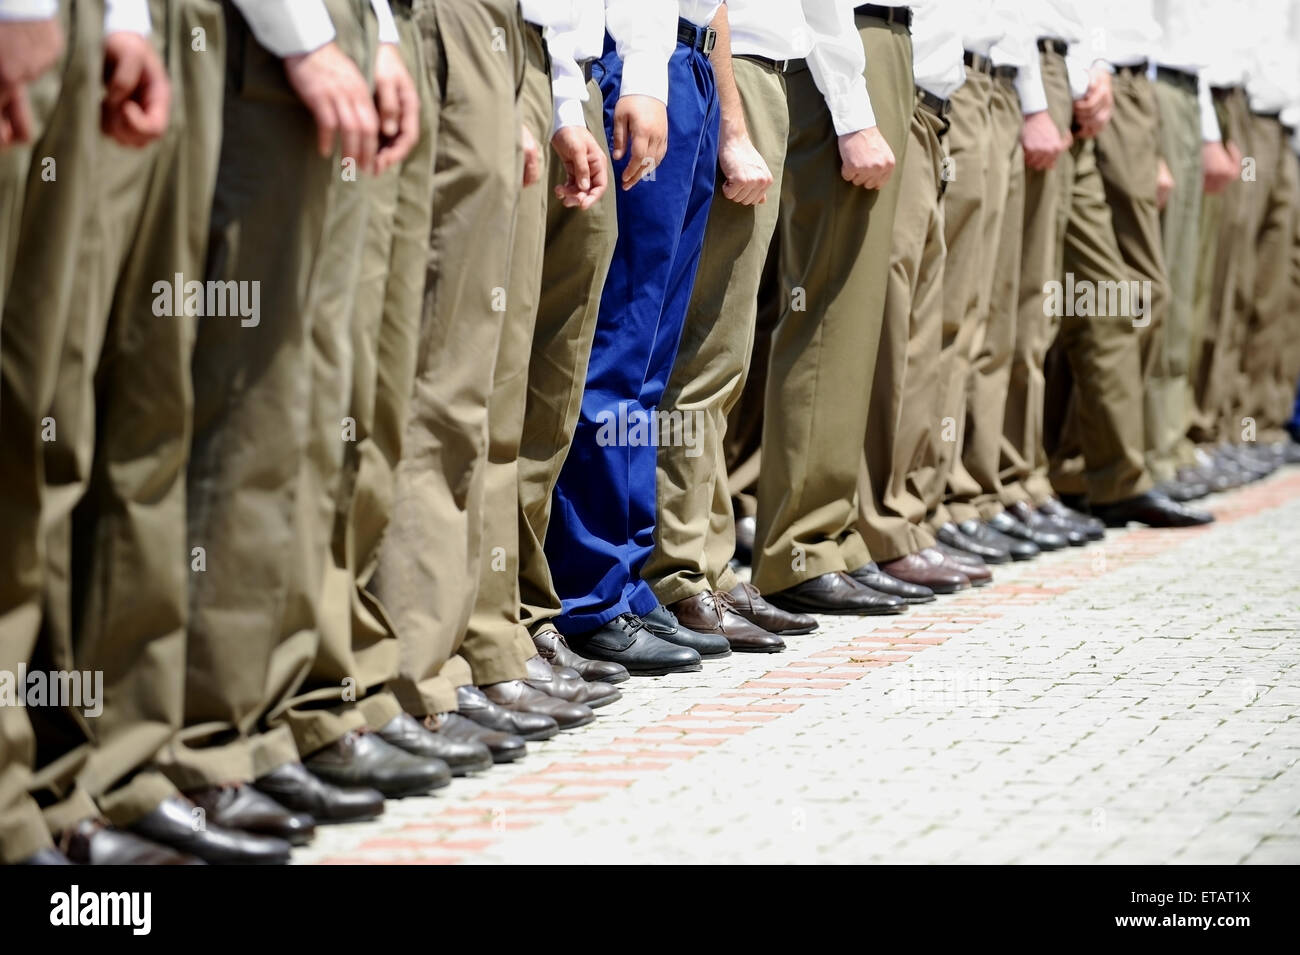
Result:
[
  {"x": 664, "y": 671},
  {"x": 538, "y": 735},
  {"x": 758, "y": 649},
  {"x": 597, "y": 704},
  {"x": 846, "y": 612},
  {"x": 615, "y": 678},
  {"x": 460, "y": 772},
  {"x": 582, "y": 722},
  {"x": 422, "y": 790},
  {"x": 802, "y": 631},
  {"x": 509, "y": 757}
]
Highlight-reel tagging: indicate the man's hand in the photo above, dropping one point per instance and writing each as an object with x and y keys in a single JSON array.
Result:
[
  {"x": 334, "y": 91},
  {"x": 641, "y": 134},
  {"x": 15, "y": 117},
  {"x": 584, "y": 162},
  {"x": 1164, "y": 184},
  {"x": 746, "y": 177},
  {"x": 137, "y": 93},
  {"x": 27, "y": 49},
  {"x": 1093, "y": 110},
  {"x": 1042, "y": 141},
  {"x": 1218, "y": 167},
  {"x": 532, "y": 156},
  {"x": 398, "y": 105},
  {"x": 866, "y": 158}
]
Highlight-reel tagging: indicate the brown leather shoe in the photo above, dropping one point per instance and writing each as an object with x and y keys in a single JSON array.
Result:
[
  {"x": 92, "y": 842},
  {"x": 977, "y": 575},
  {"x": 248, "y": 809},
  {"x": 749, "y": 603},
  {"x": 836, "y": 593},
  {"x": 565, "y": 684},
  {"x": 712, "y": 612},
  {"x": 916, "y": 569},
  {"x": 518, "y": 695}
]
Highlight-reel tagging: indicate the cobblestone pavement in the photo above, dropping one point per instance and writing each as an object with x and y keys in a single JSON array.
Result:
[{"x": 1136, "y": 700}]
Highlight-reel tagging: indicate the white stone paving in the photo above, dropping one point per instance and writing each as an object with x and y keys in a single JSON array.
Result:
[{"x": 1150, "y": 714}]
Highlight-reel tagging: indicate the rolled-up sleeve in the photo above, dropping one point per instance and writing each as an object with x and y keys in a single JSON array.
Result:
[
  {"x": 127, "y": 16},
  {"x": 28, "y": 9}
]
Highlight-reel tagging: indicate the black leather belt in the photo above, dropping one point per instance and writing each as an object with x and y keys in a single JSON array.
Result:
[
  {"x": 586, "y": 65},
  {"x": 1047, "y": 44},
  {"x": 1188, "y": 81},
  {"x": 901, "y": 15},
  {"x": 1133, "y": 69},
  {"x": 1221, "y": 92},
  {"x": 1271, "y": 114},
  {"x": 697, "y": 38},
  {"x": 1006, "y": 72},
  {"x": 940, "y": 107},
  {"x": 978, "y": 62},
  {"x": 776, "y": 66}
]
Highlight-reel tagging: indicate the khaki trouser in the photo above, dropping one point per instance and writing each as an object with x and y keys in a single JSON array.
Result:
[
  {"x": 428, "y": 569},
  {"x": 900, "y": 447},
  {"x": 115, "y": 478},
  {"x": 1180, "y": 145},
  {"x": 270, "y": 394},
  {"x": 42, "y": 207},
  {"x": 990, "y": 374},
  {"x": 578, "y": 248},
  {"x": 695, "y": 535},
  {"x": 1098, "y": 356},
  {"x": 358, "y": 652},
  {"x": 969, "y": 219},
  {"x": 1267, "y": 386},
  {"x": 1226, "y": 249},
  {"x": 835, "y": 244},
  {"x": 497, "y": 643},
  {"x": 1042, "y": 242},
  {"x": 1128, "y": 154}
]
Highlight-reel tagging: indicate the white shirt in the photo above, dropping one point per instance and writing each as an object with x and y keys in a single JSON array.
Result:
[
  {"x": 1131, "y": 33},
  {"x": 1192, "y": 36},
  {"x": 775, "y": 29},
  {"x": 28, "y": 9},
  {"x": 579, "y": 38},
  {"x": 1270, "y": 75},
  {"x": 937, "y": 65},
  {"x": 287, "y": 27},
  {"x": 126, "y": 16},
  {"x": 645, "y": 35},
  {"x": 387, "y": 25}
]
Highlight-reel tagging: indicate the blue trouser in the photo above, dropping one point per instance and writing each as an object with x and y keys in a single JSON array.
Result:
[{"x": 603, "y": 520}]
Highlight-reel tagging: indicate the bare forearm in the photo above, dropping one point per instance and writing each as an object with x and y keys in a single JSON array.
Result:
[{"x": 733, "y": 114}]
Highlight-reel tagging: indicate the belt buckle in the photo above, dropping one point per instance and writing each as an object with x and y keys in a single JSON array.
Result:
[{"x": 710, "y": 39}]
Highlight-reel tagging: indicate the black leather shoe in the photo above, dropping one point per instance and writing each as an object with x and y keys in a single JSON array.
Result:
[
  {"x": 1183, "y": 491},
  {"x": 665, "y": 626},
  {"x": 746, "y": 527},
  {"x": 565, "y": 684},
  {"x": 750, "y": 604},
  {"x": 294, "y": 788},
  {"x": 472, "y": 704},
  {"x": 626, "y": 640},
  {"x": 178, "y": 823},
  {"x": 555, "y": 650},
  {"x": 836, "y": 593},
  {"x": 1040, "y": 532},
  {"x": 1009, "y": 526},
  {"x": 46, "y": 857},
  {"x": 872, "y": 576},
  {"x": 518, "y": 695},
  {"x": 958, "y": 540},
  {"x": 461, "y": 756},
  {"x": 1092, "y": 529},
  {"x": 1152, "y": 509},
  {"x": 985, "y": 534},
  {"x": 241, "y": 806},
  {"x": 363, "y": 759},
  {"x": 504, "y": 747},
  {"x": 1043, "y": 520},
  {"x": 92, "y": 842}
]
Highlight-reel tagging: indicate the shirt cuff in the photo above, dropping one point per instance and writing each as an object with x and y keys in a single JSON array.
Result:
[
  {"x": 569, "y": 112},
  {"x": 127, "y": 16},
  {"x": 1210, "y": 132},
  {"x": 1029, "y": 84},
  {"x": 288, "y": 27},
  {"x": 28, "y": 9},
  {"x": 645, "y": 74},
  {"x": 387, "y": 25},
  {"x": 852, "y": 114}
]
